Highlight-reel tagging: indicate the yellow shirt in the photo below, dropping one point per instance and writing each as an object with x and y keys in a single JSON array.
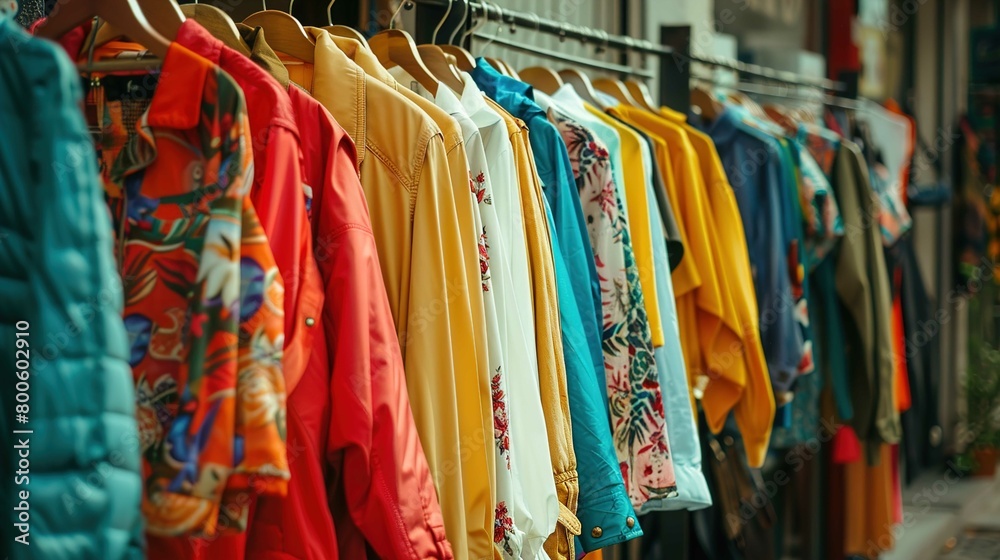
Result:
[
  {"x": 722, "y": 372},
  {"x": 755, "y": 411},
  {"x": 422, "y": 218},
  {"x": 639, "y": 226},
  {"x": 551, "y": 367}
]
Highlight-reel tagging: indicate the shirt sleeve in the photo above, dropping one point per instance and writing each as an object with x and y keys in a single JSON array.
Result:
[
  {"x": 444, "y": 345},
  {"x": 385, "y": 479},
  {"x": 760, "y": 205}
]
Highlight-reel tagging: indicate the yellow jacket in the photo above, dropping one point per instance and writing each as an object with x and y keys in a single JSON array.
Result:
[{"x": 755, "y": 410}]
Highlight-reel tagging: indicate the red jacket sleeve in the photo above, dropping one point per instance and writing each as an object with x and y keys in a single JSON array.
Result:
[
  {"x": 280, "y": 202},
  {"x": 383, "y": 482}
]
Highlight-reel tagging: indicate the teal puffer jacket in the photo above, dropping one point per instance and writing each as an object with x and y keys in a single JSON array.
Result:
[{"x": 59, "y": 285}]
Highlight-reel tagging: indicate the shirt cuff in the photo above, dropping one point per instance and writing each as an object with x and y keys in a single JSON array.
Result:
[{"x": 607, "y": 519}]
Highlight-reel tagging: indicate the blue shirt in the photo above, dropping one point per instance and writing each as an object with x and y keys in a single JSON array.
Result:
[
  {"x": 603, "y": 501},
  {"x": 754, "y": 167}
]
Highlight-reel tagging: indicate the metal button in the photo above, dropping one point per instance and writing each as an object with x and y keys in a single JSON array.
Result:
[
  {"x": 310, "y": 321},
  {"x": 630, "y": 522},
  {"x": 596, "y": 532}
]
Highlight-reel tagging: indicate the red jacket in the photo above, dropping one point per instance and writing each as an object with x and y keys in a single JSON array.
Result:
[
  {"x": 379, "y": 484},
  {"x": 359, "y": 475}
]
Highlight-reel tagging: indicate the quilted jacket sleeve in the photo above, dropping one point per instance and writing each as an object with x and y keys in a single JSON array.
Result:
[
  {"x": 84, "y": 479},
  {"x": 373, "y": 440}
]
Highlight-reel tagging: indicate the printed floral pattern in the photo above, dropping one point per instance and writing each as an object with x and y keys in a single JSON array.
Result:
[
  {"x": 484, "y": 260},
  {"x": 203, "y": 311},
  {"x": 634, "y": 398},
  {"x": 823, "y": 224},
  {"x": 508, "y": 538},
  {"x": 503, "y": 528},
  {"x": 501, "y": 424}
]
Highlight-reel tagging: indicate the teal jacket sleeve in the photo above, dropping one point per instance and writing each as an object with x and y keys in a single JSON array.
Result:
[
  {"x": 61, "y": 289},
  {"x": 604, "y": 509}
]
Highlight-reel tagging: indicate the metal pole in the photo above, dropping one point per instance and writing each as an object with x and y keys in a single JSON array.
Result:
[{"x": 675, "y": 70}]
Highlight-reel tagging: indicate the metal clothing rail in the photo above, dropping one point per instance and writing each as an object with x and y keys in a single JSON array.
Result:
[
  {"x": 783, "y": 92},
  {"x": 493, "y": 12},
  {"x": 579, "y": 60}
]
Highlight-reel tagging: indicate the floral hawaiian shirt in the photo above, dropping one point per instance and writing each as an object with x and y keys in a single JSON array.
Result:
[
  {"x": 823, "y": 224},
  {"x": 203, "y": 296},
  {"x": 637, "y": 417}
]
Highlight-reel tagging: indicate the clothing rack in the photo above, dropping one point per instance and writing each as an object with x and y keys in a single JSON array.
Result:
[
  {"x": 673, "y": 51},
  {"x": 784, "y": 92}
]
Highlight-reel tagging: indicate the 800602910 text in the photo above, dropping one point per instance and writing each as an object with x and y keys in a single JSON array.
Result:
[{"x": 22, "y": 434}]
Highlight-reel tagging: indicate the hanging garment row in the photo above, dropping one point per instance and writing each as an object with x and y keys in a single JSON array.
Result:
[{"x": 382, "y": 300}]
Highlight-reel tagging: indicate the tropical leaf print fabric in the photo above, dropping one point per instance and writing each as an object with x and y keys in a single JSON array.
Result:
[
  {"x": 203, "y": 311},
  {"x": 823, "y": 224},
  {"x": 638, "y": 422}
]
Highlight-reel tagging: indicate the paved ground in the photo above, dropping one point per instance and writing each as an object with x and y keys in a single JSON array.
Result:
[{"x": 949, "y": 519}]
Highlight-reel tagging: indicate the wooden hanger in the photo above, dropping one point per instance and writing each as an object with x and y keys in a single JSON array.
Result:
[
  {"x": 463, "y": 58},
  {"x": 125, "y": 15},
  {"x": 510, "y": 70},
  {"x": 541, "y": 78},
  {"x": 581, "y": 83},
  {"x": 496, "y": 64},
  {"x": 342, "y": 30},
  {"x": 164, "y": 15},
  {"x": 783, "y": 117},
  {"x": 640, "y": 93},
  {"x": 616, "y": 89},
  {"x": 438, "y": 62},
  {"x": 222, "y": 25},
  {"x": 284, "y": 33},
  {"x": 395, "y": 47},
  {"x": 743, "y": 100},
  {"x": 706, "y": 103},
  {"x": 347, "y": 32},
  {"x": 439, "y": 65}
]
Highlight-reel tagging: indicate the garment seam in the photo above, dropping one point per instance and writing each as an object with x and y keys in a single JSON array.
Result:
[{"x": 387, "y": 496}]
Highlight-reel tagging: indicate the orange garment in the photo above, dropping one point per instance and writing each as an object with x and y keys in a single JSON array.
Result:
[
  {"x": 755, "y": 409},
  {"x": 902, "y": 377},
  {"x": 868, "y": 511},
  {"x": 203, "y": 299}
]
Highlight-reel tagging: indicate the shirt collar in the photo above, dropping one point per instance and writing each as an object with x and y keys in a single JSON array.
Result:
[
  {"x": 475, "y": 105},
  {"x": 196, "y": 38},
  {"x": 179, "y": 91},
  {"x": 357, "y": 53},
  {"x": 568, "y": 96},
  {"x": 263, "y": 54},
  {"x": 333, "y": 73},
  {"x": 444, "y": 98},
  {"x": 543, "y": 100},
  {"x": 513, "y": 95}
]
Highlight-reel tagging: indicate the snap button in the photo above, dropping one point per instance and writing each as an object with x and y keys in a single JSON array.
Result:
[
  {"x": 630, "y": 522},
  {"x": 310, "y": 321},
  {"x": 596, "y": 532}
]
